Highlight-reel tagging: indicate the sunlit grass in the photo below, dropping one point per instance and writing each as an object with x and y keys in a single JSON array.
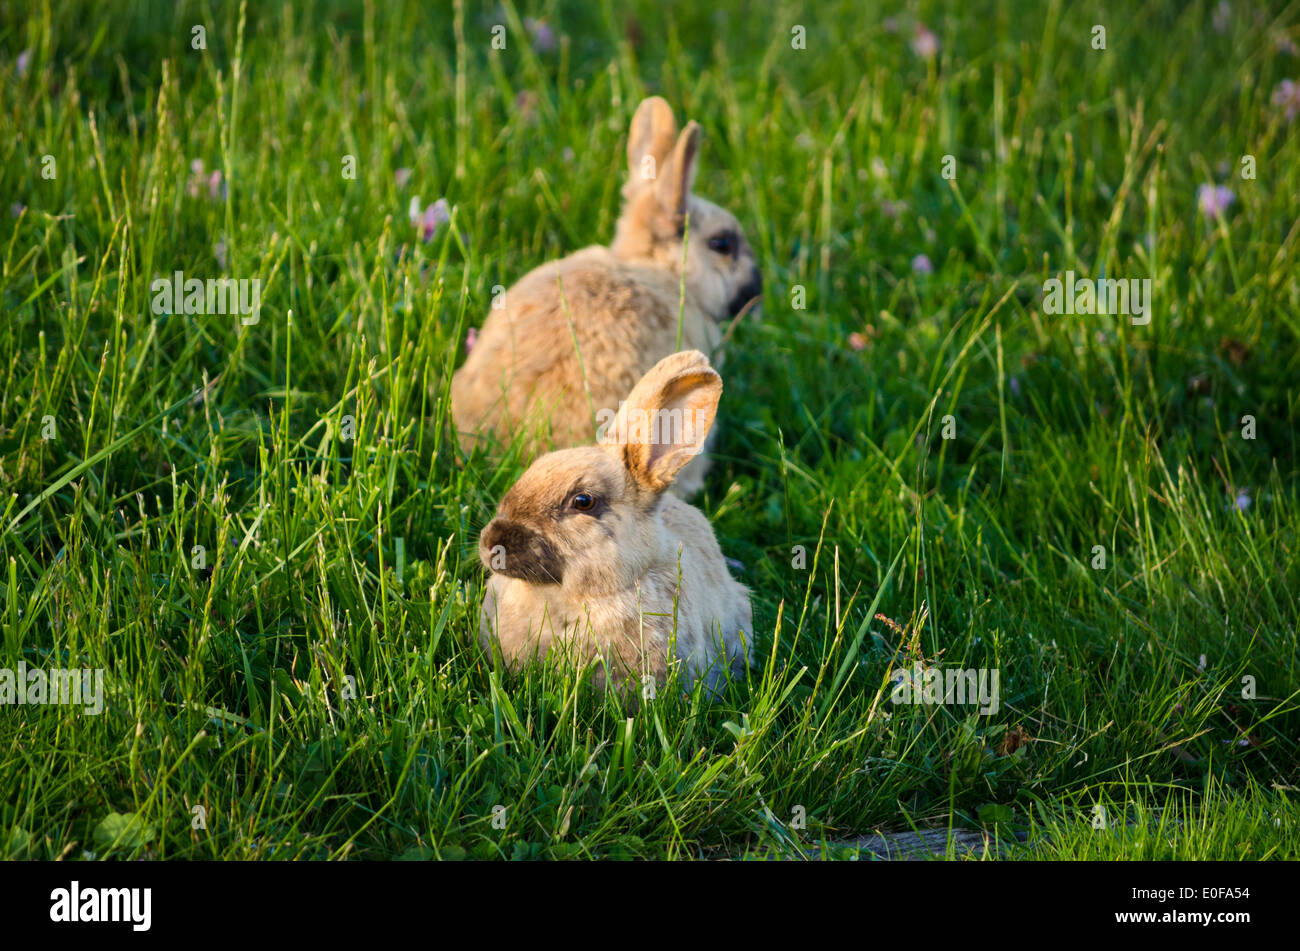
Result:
[{"x": 265, "y": 537}]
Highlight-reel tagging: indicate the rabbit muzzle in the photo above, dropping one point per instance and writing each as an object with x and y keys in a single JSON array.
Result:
[
  {"x": 517, "y": 551},
  {"x": 752, "y": 288}
]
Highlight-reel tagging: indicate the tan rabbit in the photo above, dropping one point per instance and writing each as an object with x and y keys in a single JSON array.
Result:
[
  {"x": 572, "y": 337},
  {"x": 591, "y": 556}
]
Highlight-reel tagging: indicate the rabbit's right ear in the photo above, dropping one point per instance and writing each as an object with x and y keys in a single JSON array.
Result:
[
  {"x": 664, "y": 421},
  {"x": 650, "y": 139}
]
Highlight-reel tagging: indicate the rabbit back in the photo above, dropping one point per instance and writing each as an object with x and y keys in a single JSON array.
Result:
[{"x": 573, "y": 338}]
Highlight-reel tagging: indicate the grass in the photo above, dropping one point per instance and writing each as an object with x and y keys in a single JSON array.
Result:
[{"x": 287, "y": 616}]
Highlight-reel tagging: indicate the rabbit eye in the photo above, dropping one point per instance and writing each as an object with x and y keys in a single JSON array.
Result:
[
  {"x": 724, "y": 243},
  {"x": 583, "y": 502}
]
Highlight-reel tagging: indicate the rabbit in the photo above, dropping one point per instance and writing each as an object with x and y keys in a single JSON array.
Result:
[
  {"x": 561, "y": 346},
  {"x": 589, "y": 554}
]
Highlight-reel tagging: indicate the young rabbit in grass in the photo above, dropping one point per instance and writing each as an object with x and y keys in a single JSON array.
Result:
[
  {"x": 573, "y": 336},
  {"x": 591, "y": 556}
]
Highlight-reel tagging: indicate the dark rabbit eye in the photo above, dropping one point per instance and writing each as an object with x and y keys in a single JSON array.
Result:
[
  {"x": 724, "y": 243},
  {"x": 583, "y": 502}
]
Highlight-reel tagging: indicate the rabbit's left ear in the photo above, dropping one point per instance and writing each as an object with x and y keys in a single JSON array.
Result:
[
  {"x": 674, "y": 185},
  {"x": 650, "y": 139},
  {"x": 666, "y": 418}
]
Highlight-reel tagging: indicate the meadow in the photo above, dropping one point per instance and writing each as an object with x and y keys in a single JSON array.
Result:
[{"x": 264, "y": 533}]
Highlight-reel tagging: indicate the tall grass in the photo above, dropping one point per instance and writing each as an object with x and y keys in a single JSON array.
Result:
[{"x": 265, "y": 536}]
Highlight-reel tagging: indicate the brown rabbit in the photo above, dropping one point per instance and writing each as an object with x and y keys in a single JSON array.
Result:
[
  {"x": 590, "y": 555},
  {"x": 562, "y": 346}
]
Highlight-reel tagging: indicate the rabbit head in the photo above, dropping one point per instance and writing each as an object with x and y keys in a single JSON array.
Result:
[
  {"x": 721, "y": 271},
  {"x": 587, "y": 519}
]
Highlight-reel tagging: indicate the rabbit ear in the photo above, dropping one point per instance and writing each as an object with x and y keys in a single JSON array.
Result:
[
  {"x": 674, "y": 185},
  {"x": 650, "y": 139},
  {"x": 664, "y": 421}
]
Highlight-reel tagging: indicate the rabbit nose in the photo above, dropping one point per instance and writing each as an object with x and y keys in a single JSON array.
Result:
[
  {"x": 516, "y": 551},
  {"x": 490, "y": 550},
  {"x": 498, "y": 543},
  {"x": 753, "y": 288}
]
